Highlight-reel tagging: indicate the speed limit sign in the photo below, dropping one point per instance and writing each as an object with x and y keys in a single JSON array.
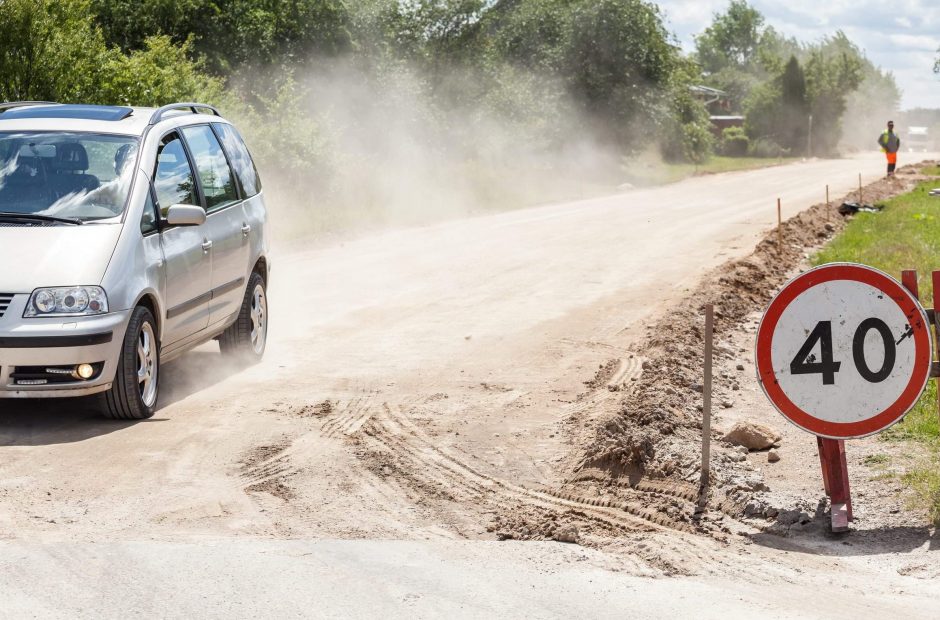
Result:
[{"x": 844, "y": 351}]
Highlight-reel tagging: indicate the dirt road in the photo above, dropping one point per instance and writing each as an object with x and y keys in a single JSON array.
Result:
[{"x": 415, "y": 382}]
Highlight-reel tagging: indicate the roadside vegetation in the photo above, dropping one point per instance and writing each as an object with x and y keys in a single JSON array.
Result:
[
  {"x": 380, "y": 111},
  {"x": 658, "y": 173},
  {"x": 906, "y": 235},
  {"x": 797, "y": 97}
]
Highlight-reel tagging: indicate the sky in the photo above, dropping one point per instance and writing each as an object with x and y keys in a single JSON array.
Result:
[{"x": 899, "y": 35}]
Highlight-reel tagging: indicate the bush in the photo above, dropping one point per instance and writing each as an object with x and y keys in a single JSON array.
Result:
[
  {"x": 160, "y": 73},
  {"x": 734, "y": 142},
  {"x": 766, "y": 147}
]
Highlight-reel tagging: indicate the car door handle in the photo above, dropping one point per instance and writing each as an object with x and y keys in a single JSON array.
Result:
[
  {"x": 246, "y": 230},
  {"x": 206, "y": 246}
]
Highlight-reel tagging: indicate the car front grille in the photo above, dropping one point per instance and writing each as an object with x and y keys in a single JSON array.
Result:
[{"x": 5, "y": 300}]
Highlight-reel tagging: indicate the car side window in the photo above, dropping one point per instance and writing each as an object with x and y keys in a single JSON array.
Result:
[
  {"x": 240, "y": 157},
  {"x": 173, "y": 177},
  {"x": 148, "y": 220},
  {"x": 215, "y": 176}
]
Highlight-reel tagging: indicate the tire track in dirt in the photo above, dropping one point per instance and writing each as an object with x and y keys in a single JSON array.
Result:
[
  {"x": 402, "y": 462},
  {"x": 435, "y": 467},
  {"x": 606, "y": 386},
  {"x": 399, "y": 435},
  {"x": 351, "y": 417},
  {"x": 266, "y": 468}
]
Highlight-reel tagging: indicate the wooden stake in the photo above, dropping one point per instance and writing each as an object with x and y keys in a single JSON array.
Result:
[
  {"x": 779, "y": 228},
  {"x": 707, "y": 405},
  {"x": 909, "y": 280}
]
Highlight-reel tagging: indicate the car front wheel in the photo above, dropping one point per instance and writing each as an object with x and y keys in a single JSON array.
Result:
[{"x": 133, "y": 394}]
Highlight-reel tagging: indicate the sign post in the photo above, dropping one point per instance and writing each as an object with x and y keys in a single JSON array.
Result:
[{"x": 843, "y": 351}]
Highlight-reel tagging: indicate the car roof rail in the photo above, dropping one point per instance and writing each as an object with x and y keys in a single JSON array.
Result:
[
  {"x": 9, "y": 105},
  {"x": 160, "y": 113}
]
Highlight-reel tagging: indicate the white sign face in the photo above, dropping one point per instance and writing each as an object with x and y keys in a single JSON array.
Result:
[{"x": 843, "y": 351}]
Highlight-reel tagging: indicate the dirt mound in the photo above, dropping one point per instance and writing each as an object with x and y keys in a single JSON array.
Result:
[{"x": 657, "y": 433}]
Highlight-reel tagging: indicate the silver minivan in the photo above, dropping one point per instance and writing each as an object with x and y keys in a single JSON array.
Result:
[{"x": 128, "y": 236}]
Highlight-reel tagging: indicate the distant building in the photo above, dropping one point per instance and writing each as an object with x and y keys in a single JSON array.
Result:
[
  {"x": 718, "y": 103},
  {"x": 715, "y": 101},
  {"x": 720, "y": 123}
]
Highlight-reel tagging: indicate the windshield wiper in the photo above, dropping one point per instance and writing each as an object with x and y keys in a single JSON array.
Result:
[{"x": 35, "y": 217}]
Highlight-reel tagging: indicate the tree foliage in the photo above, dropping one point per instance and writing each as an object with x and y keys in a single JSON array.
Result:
[
  {"x": 158, "y": 73},
  {"x": 51, "y": 51},
  {"x": 733, "y": 39},
  {"x": 230, "y": 33},
  {"x": 779, "y": 110},
  {"x": 550, "y": 68},
  {"x": 781, "y": 84},
  {"x": 739, "y": 52},
  {"x": 48, "y": 51},
  {"x": 834, "y": 70}
]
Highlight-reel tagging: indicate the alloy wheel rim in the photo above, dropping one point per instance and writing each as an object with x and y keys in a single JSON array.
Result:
[
  {"x": 259, "y": 319},
  {"x": 147, "y": 365}
]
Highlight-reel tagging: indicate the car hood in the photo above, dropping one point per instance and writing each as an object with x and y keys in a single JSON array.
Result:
[{"x": 33, "y": 257}]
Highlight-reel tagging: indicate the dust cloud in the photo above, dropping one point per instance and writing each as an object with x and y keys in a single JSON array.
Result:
[{"x": 362, "y": 149}]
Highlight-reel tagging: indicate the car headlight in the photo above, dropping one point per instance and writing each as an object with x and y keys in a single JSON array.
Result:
[{"x": 67, "y": 301}]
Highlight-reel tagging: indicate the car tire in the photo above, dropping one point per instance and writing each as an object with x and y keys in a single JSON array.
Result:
[
  {"x": 134, "y": 391},
  {"x": 247, "y": 338}
]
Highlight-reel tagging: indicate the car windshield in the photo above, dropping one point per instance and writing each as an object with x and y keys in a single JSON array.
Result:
[{"x": 78, "y": 176}]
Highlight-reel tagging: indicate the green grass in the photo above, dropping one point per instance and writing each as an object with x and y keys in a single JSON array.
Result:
[
  {"x": 658, "y": 173},
  {"x": 877, "y": 459},
  {"x": 925, "y": 483},
  {"x": 906, "y": 235},
  {"x": 922, "y": 423},
  {"x": 933, "y": 171}
]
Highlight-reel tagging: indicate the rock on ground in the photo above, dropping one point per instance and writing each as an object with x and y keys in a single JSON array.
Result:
[
  {"x": 752, "y": 436},
  {"x": 566, "y": 534}
]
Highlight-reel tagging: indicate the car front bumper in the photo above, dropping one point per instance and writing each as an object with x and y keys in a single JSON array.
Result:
[{"x": 37, "y": 346}]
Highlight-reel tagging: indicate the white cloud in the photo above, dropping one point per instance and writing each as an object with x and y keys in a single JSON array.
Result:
[{"x": 900, "y": 36}]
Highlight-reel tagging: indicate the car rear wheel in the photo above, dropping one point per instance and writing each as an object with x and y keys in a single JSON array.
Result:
[
  {"x": 133, "y": 394},
  {"x": 247, "y": 337}
]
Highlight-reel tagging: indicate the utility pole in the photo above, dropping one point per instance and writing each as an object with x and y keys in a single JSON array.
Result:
[{"x": 809, "y": 138}]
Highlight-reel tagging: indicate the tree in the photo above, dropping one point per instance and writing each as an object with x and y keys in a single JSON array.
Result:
[
  {"x": 48, "y": 50},
  {"x": 779, "y": 110},
  {"x": 230, "y": 33},
  {"x": 160, "y": 73},
  {"x": 732, "y": 40},
  {"x": 617, "y": 62},
  {"x": 738, "y": 52},
  {"x": 793, "y": 108},
  {"x": 618, "y": 59},
  {"x": 834, "y": 70},
  {"x": 529, "y": 34}
]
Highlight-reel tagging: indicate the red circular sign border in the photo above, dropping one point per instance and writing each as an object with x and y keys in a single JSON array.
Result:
[{"x": 895, "y": 291}]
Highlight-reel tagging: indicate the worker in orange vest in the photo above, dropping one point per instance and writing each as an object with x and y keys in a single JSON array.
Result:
[{"x": 890, "y": 143}]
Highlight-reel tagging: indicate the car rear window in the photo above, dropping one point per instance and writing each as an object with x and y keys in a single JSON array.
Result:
[{"x": 240, "y": 158}]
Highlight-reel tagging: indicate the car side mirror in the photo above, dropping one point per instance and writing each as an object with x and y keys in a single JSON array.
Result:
[{"x": 185, "y": 215}]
